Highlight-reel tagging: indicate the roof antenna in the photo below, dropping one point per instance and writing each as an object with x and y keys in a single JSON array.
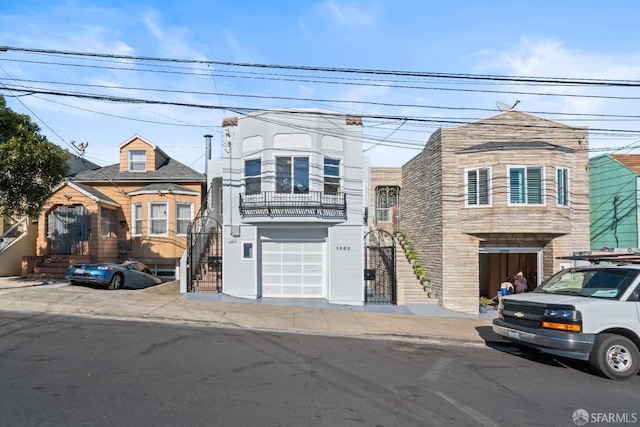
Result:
[
  {"x": 80, "y": 147},
  {"x": 505, "y": 107}
]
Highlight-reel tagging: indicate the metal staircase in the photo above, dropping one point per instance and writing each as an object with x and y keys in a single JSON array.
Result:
[
  {"x": 204, "y": 256},
  {"x": 16, "y": 232}
]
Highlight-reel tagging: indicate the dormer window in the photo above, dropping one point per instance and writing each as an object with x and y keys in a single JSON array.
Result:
[{"x": 137, "y": 161}]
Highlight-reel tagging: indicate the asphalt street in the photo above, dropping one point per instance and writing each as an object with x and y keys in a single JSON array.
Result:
[{"x": 80, "y": 370}]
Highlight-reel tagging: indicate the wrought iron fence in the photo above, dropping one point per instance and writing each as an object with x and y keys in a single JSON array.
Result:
[{"x": 204, "y": 256}]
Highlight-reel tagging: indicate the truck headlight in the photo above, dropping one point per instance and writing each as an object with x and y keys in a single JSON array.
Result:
[{"x": 562, "y": 314}]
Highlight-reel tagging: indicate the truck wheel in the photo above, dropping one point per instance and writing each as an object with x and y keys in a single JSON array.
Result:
[{"x": 615, "y": 357}]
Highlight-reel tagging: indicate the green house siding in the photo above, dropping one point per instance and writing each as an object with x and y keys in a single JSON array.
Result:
[{"x": 614, "y": 204}]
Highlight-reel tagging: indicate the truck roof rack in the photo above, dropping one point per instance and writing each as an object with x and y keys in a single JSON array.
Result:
[{"x": 596, "y": 257}]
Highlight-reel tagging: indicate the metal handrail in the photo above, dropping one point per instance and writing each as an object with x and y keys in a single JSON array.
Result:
[{"x": 14, "y": 232}]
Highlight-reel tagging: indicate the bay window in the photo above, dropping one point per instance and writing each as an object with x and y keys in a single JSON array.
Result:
[
  {"x": 292, "y": 174},
  {"x": 526, "y": 186},
  {"x": 158, "y": 218}
]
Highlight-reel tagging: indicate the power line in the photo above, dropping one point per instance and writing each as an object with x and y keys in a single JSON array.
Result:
[
  {"x": 462, "y": 76},
  {"x": 327, "y": 101},
  {"x": 350, "y": 82}
]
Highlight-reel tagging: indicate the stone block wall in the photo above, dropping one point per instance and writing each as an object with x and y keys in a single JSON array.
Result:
[{"x": 447, "y": 235}]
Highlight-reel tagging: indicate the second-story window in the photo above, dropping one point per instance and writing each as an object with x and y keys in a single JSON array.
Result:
[
  {"x": 526, "y": 186},
  {"x": 252, "y": 178},
  {"x": 331, "y": 176},
  {"x": 562, "y": 186},
  {"x": 292, "y": 174},
  {"x": 477, "y": 184},
  {"x": 137, "y": 161}
]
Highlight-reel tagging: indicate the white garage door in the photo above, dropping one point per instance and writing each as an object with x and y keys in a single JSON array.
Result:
[{"x": 293, "y": 269}]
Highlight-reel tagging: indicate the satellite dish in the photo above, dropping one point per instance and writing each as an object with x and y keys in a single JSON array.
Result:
[{"x": 504, "y": 107}]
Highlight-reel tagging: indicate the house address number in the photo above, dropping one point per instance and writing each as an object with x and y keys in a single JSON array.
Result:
[{"x": 343, "y": 248}]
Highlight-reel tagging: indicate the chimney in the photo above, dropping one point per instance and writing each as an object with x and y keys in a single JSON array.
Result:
[{"x": 207, "y": 143}]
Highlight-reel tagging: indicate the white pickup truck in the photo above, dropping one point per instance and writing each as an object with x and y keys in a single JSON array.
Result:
[{"x": 588, "y": 313}]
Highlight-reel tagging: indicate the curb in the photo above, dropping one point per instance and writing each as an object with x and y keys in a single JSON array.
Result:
[{"x": 431, "y": 339}]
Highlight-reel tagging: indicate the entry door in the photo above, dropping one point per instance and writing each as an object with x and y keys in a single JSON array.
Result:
[
  {"x": 69, "y": 229},
  {"x": 293, "y": 269}
]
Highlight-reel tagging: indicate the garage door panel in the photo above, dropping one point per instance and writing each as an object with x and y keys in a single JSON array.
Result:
[
  {"x": 270, "y": 269},
  {"x": 314, "y": 247},
  {"x": 313, "y": 291},
  {"x": 293, "y": 269},
  {"x": 312, "y": 258},
  {"x": 272, "y": 291},
  {"x": 289, "y": 258},
  {"x": 313, "y": 280},
  {"x": 292, "y": 290},
  {"x": 271, "y": 258},
  {"x": 312, "y": 269},
  {"x": 272, "y": 279},
  {"x": 292, "y": 247}
]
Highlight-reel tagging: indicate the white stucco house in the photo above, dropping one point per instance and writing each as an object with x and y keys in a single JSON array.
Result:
[{"x": 289, "y": 197}]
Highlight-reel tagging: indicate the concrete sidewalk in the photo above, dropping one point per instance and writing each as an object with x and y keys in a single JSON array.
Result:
[{"x": 165, "y": 303}]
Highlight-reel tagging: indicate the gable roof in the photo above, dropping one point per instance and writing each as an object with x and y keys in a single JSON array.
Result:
[
  {"x": 136, "y": 136},
  {"x": 171, "y": 170},
  {"x": 516, "y": 145},
  {"x": 516, "y": 114},
  {"x": 632, "y": 161},
  {"x": 90, "y": 192}
]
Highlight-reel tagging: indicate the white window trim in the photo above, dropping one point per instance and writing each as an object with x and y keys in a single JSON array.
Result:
[
  {"x": 543, "y": 186},
  {"x": 567, "y": 190},
  {"x": 324, "y": 176},
  {"x": 253, "y": 250},
  {"x": 149, "y": 221},
  {"x": 133, "y": 219},
  {"x": 130, "y": 161},
  {"x": 177, "y": 218},
  {"x": 310, "y": 171},
  {"x": 489, "y": 188},
  {"x": 244, "y": 176}
]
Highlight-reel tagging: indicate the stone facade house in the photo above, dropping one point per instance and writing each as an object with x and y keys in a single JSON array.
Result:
[
  {"x": 288, "y": 200},
  {"x": 139, "y": 208},
  {"x": 488, "y": 197}
]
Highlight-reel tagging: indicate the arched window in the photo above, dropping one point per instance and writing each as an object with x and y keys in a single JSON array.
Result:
[{"x": 387, "y": 200}]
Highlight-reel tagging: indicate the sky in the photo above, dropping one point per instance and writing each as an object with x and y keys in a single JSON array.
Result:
[{"x": 215, "y": 59}]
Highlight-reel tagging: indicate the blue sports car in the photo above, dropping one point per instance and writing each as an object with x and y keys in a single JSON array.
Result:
[{"x": 132, "y": 274}]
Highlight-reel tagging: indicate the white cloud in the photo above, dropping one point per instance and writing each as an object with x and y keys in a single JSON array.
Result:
[
  {"x": 350, "y": 14},
  {"x": 552, "y": 58},
  {"x": 150, "y": 22}
]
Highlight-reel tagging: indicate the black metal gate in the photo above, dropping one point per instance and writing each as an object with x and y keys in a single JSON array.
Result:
[
  {"x": 204, "y": 256},
  {"x": 380, "y": 268},
  {"x": 68, "y": 229}
]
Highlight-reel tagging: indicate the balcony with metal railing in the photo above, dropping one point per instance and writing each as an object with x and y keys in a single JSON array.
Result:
[{"x": 272, "y": 204}]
